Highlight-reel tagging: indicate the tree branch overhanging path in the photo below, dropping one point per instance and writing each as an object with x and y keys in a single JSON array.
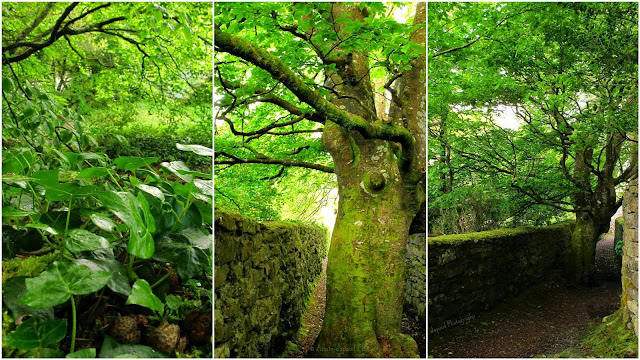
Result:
[{"x": 575, "y": 147}]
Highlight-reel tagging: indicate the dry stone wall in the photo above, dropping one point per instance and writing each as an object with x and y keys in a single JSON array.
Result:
[
  {"x": 472, "y": 272},
  {"x": 263, "y": 274},
  {"x": 630, "y": 256},
  {"x": 415, "y": 289}
]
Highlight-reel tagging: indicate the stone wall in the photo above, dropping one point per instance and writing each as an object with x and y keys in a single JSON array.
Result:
[
  {"x": 415, "y": 285},
  {"x": 264, "y": 272},
  {"x": 629, "y": 301},
  {"x": 469, "y": 273}
]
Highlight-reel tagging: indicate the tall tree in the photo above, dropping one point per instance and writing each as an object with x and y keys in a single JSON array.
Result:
[
  {"x": 290, "y": 69},
  {"x": 569, "y": 72}
]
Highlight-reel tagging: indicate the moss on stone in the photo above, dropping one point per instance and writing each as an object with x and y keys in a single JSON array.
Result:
[
  {"x": 611, "y": 338},
  {"x": 499, "y": 233},
  {"x": 263, "y": 271},
  {"x": 29, "y": 267}
]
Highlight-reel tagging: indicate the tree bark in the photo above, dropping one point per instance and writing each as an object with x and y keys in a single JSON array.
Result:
[{"x": 378, "y": 202}]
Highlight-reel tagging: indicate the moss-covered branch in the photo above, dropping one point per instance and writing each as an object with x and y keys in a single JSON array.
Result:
[
  {"x": 280, "y": 71},
  {"x": 234, "y": 160}
]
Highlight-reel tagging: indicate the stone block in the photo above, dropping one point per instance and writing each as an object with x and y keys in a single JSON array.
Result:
[{"x": 220, "y": 275}]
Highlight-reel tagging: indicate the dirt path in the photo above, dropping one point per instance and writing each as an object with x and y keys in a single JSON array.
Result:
[
  {"x": 312, "y": 318},
  {"x": 542, "y": 321},
  {"x": 607, "y": 262}
]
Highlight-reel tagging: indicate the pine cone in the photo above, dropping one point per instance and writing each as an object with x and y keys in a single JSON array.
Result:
[
  {"x": 124, "y": 330},
  {"x": 197, "y": 325},
  {"x": 165, "y": 338}
]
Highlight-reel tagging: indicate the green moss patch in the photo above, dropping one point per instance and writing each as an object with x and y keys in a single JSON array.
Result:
[
  {"x": 611, "y": 338},
  {"x": 499, "y": 233},
  {"x": 29, "y": 267}
]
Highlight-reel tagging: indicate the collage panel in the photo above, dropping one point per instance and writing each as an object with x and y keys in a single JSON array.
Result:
[
  {"x": 107, "y": 186},
  {"x": 532, "y": 179},
  {"x": 320, "y": 179}
]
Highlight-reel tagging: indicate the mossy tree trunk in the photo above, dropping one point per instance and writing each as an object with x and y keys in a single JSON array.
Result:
[
  {"x": 595, "y": 206},
  {"x": 378, "y": 202}
]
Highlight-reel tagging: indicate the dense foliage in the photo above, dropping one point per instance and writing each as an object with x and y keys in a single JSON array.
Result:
[
  {"x": 532, "y": 111},
  {"x": 96, "y": 223}
]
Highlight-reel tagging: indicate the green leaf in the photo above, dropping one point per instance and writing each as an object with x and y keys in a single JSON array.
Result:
[
  {"x": 127, "y": 207},
  {"x": 173, "y": 302},
  {"x": 17, "y": 159},
  {"x": 61, "y": 192},
  {"x": 197, "y": 238},
  {"x": 198, "y": 149},
  {"x": 177, "y": 250},
  {"x": 43, "y": 227},
  {"x": 94, "y": 172},
  {"x": 103, "y": 222},
  {"x": 19, "y": 180},
  {"x": 205, "y": 186},
  {"x": 56, "y": 285},
  {"x": 173, "y": 168},
  {"x": 11, "y": 212},
  {"x": 31, "y": 334},
  {"x": 13, "y": 289},
  {"x": 79, "y": 240},
  {"x": 106, "y": 262},
  {"x": 83, "y": 354},
  {"x": 46, "y": 177},
  {"x": 131, "y": 163},
  {"x": 111, "y": 349},
  {"x": 7, "y": 85},
  {"x": 141, "y": 294},
  {"x": 152, "y": 190}
]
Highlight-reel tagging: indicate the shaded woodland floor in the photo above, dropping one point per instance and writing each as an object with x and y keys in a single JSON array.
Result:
[
  {"x": 314, "y": 315},
  {"x": 544, "y": 320}
]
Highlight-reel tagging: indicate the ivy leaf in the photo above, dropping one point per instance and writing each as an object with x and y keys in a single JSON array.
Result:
[
  {"x": 152, "y": 190},
  {"x": 31, "y": 334},
  {"x": 173, "y": 168},
  {"x": 141, "y": 294},
  {"x": 112, "y": 349},
  {"x": 198, "y": 149},
  {"x": 61, "y": 192},
  {"x": 177, "y": 250},
  {"x": 127, "y": 163},
  {"x": 103, "y": 222},
  {"x": 106, "y": 262},
  {"x": 93, "y": 172},
  {"x": 83, "y": 354},
  {"x": 56, "y": 285},
  {"x": 82, "y": 240},
  {"x": 127, "y": 207}
]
